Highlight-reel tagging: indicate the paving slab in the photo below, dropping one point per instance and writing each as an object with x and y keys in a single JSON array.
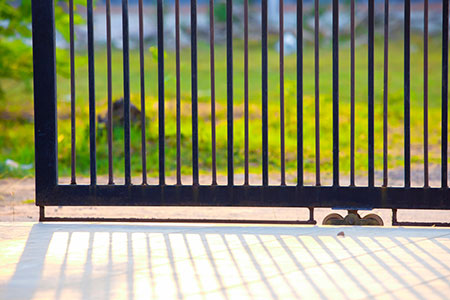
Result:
[{"x": 198, "y": 261}]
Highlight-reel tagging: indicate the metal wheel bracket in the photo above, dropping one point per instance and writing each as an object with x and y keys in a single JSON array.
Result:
[{"x": 353, "y": 218}]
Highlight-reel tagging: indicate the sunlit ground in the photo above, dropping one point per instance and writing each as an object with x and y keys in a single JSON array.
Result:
[{"x": 90, "y": 261}]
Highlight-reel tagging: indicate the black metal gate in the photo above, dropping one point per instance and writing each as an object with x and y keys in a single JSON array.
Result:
[{"x": 50, "y": 193}]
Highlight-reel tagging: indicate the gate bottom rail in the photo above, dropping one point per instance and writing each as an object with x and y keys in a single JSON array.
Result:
[
  {"x": 395, "y": 222},
  {"x": 351, "y": 197},
  {"x": 43, "y": 218}
]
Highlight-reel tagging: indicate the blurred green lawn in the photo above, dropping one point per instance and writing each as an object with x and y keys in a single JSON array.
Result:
[{"x": 17, "y": 137}]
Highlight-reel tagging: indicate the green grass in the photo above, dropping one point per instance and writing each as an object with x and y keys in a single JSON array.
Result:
[{"x": 17, "y": 141}]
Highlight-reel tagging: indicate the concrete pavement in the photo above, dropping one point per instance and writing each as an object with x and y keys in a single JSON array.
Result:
[{"x": 198, "y": 261}]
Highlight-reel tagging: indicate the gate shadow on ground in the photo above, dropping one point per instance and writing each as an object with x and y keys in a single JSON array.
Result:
[{"x": 91, "y": 261}]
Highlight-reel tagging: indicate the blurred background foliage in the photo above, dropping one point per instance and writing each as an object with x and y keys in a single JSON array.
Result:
[
  {"x": 16, "y": 55},
  {"x": 16, "y": 99}
]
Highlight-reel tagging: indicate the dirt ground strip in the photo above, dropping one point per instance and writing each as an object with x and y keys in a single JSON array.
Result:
[{"x": 17, "y": 202}]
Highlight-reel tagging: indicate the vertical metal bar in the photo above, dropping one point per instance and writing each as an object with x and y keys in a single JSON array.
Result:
[
  {"x": 109, "y": 67},
  {"x": 177, "y": 62},
  {"x": 246, "y": 167},
  {"x": 394, "y": 216},
  {"x": 72, "y": 95},
  {"x": 41, "y": 213},
  {"x": 444, "y": 130},
  {"x": 161, "y": 134},
  {"x": 142, "y": 73},
  {"x": 230, "y": 171},
  {"x": 282, "y": 142},
  {"x": 265, "y": 135},
  {"x": 352, "y": 93},
  {"x": 371, "y": 94},
  {"x": 406, "y": 85},
  {"x": 335, "y": 92},
  {"x": 44, "y": 70},
  {"x": 316, "y": 89},
  {"x": 126, "y": 91},
  {"x": 300, "y": 92},
  {"x": 91, "y": 70},
  {"x": 194, "y": 92},
  {"x": 385, "y": 92},
  {"x": 213, "y": 92},
  {"x": 425, "y": 94}
]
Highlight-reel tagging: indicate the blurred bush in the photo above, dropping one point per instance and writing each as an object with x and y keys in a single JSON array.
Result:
[{"x": 16, "y": 56}]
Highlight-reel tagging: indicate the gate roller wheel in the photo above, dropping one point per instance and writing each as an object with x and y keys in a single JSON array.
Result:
[
  {"x": 333, "y": 219},
  {"x": 374, "y": 219}
]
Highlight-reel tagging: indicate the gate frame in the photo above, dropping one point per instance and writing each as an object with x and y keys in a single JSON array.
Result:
[{"x": 49, "y": 193}]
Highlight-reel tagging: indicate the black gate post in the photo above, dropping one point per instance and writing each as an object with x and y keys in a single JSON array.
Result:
[{"x": 44, "y": 68}]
